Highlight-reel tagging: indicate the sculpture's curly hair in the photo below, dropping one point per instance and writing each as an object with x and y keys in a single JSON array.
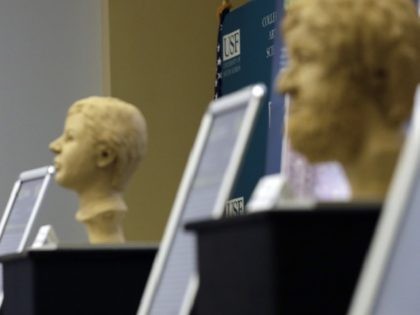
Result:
[
  {"x": 375, "y": 42},
  {"x": 119, "y": 126}
]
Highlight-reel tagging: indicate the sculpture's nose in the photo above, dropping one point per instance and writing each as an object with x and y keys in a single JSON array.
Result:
[{"x": 55, "y": 146}]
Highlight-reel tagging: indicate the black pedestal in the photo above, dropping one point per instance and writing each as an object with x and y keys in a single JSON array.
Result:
[
  {"x": 287, "y": 263},
  {"x": 76, "y": 281}
]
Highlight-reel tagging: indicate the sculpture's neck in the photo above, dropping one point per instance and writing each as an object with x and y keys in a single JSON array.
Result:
[
  {"x": 106, "y": 228},
  {"x": 102, "y": 213},
  {"x": 371, "y": 173}
]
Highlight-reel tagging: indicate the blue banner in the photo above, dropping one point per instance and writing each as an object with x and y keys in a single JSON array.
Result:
[{"x": 248, "y": 38}]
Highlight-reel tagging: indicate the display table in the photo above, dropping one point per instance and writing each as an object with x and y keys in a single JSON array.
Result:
[
  {"x": 92, "y": 280},
  {"x": 283, "y": 262}
]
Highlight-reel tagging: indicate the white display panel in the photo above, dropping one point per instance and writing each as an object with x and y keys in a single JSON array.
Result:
[
  {"x": 390, "y": 280},
  {"x": 205, "y": 187},
  {"x": 13, "y": 236},
  {"x": 22, "y": 207}
]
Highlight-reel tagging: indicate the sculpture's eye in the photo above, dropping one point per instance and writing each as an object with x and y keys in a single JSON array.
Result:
[
  {"x": 302, "y": 54},
  {"x": 68, "y": 137}
]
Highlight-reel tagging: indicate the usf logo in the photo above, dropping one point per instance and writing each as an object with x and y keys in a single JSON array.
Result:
[
  {"x": 234, "y": 207},
  {"x": 231, "y": 45}
]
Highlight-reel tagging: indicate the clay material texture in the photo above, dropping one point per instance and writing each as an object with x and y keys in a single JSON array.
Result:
[
  {"x": 353, "y": 69},
  {"x": 103, "y": 141}
]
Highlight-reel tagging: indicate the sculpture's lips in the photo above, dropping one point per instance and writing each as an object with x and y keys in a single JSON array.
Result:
[{"x": 56, "y": 166}]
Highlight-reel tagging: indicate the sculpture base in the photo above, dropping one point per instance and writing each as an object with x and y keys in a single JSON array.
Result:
[
  {"x": 92, "y": 280},
  {"x": 283, "y": 262}
]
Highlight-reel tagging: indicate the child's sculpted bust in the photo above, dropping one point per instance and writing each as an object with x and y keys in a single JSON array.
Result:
[{"x": 103, "y": 141}]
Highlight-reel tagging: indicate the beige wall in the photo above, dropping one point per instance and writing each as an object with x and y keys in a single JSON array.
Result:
[{"x": 163, "y": 60}]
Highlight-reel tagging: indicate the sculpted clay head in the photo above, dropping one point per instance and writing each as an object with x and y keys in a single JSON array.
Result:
[
  {"x": 103, "y": 141},
  {"x": 352, "y": 73}
]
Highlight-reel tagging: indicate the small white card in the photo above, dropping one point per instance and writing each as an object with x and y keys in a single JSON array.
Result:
[
  {"x": 266, "y": 194},
  {"x": 45, "y": 238},
  {"x": 273, "y": 193}
]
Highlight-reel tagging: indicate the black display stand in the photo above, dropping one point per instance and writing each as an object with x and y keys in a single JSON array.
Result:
[
  {"x": 94, "y": 280},
  {"x": 283, "y": 262}
]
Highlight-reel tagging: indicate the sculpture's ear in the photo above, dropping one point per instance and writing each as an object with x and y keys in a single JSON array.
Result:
[{"x": 104, "y": 156}]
